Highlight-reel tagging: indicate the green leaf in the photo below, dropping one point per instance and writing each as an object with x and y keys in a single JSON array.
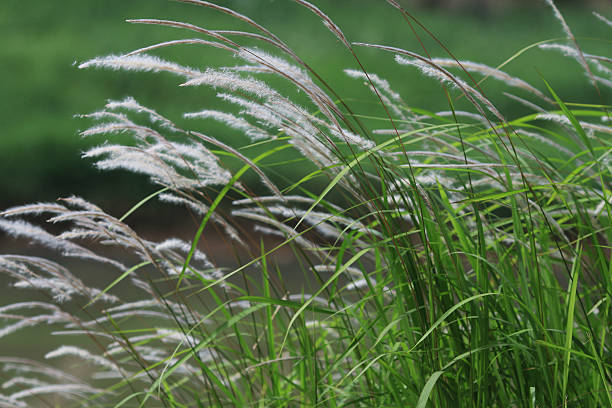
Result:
[
  {"x": 424, "y": 397},
  {"x": 575, "y": 123},
  {"x": 569, "y": 327}
]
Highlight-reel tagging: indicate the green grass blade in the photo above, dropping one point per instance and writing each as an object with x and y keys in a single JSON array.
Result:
[
  {"x": 424, "y": 397},
  {"x": 569, "y": 327},
  {"x": 142, "y": 202}
]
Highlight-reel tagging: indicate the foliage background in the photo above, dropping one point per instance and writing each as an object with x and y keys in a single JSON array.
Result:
[{"x": 42, "y": 89}]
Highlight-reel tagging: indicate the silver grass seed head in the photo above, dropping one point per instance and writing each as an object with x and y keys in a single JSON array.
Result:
[
  {"x": 491, "y": 72},
  {"x": 253, "y": 132},
  {"x": 140, "y": 63},
  {"x": 22, "y": 366},
  {"x": 602, "y": 18},
  {"x": 33, "y": 209},
  {"x": 175, "y": 244},
  {"x": 573, "y": 52},
  {"x": 603, "y": 81},
  {"x": 9, "y": 402},
  {"x": 131, "y": 104},
  {"x": 266, "y": 116},
  {"x": 353, "y": 139},
  {"x": 330, "y": 268},
  {"x": 31, "y": 321},
  {"x": 194, "y": 205},
  {"x": 36, "y": 234},
  {"x": 389, "y": 97},
  {"x": 232, "y": 82},
  {"x": 445, "y": 77},
  {"x": 380, "y": 83},
  {"x": 21, "y": 381},
  {"x": 559, "y": 17},
  {"x": 302, "y": 297},
  {"x": 80, "y": 202},
  {"x": 265, "y": 60},
  {"x": 82, "y": 354},
  {"x": 29, "y": 305},
  {"x": 65, "y": 390},
  {"x": 132, "y": 305}
]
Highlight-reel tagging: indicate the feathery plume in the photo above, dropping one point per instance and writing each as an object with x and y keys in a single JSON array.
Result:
[
  {"x": 130, "y": 104},
  {"x": 67, "y": 248},
  {"x": 570, "y": 36},
  {"x": 141, "y": 63},
  {"x": 573, "y": 53},
  {"x": 33, "y": 209},
  {"x": 82, "y": 354},
  {"x": 434, "y": 71},
  {"x": 269, "y": 63},
  {"x": 491, "y": 72},
  {"x": 253, "y": 132},
  {"x": 63, "y": 389},
  {"x": 564, "y": 120},
  {"x": 232, "y": 82},
  {"x": 602, "y": 18},
  {"x": 8, "y": 402}
]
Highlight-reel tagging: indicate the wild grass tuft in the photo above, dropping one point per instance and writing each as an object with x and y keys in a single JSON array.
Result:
[{"x": 452, "y": 258}]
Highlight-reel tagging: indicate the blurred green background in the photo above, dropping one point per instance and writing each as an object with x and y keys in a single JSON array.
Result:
[{"x": 42, "y": 89}]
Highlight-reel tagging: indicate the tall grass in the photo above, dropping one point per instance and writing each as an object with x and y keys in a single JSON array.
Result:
[{"x": 456, "y": 258}]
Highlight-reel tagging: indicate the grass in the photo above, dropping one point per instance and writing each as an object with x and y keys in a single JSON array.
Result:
[{"x": 453, "y": 258}]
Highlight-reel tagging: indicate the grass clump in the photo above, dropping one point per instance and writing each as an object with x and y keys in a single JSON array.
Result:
[{"x": 456, "y": 258}]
